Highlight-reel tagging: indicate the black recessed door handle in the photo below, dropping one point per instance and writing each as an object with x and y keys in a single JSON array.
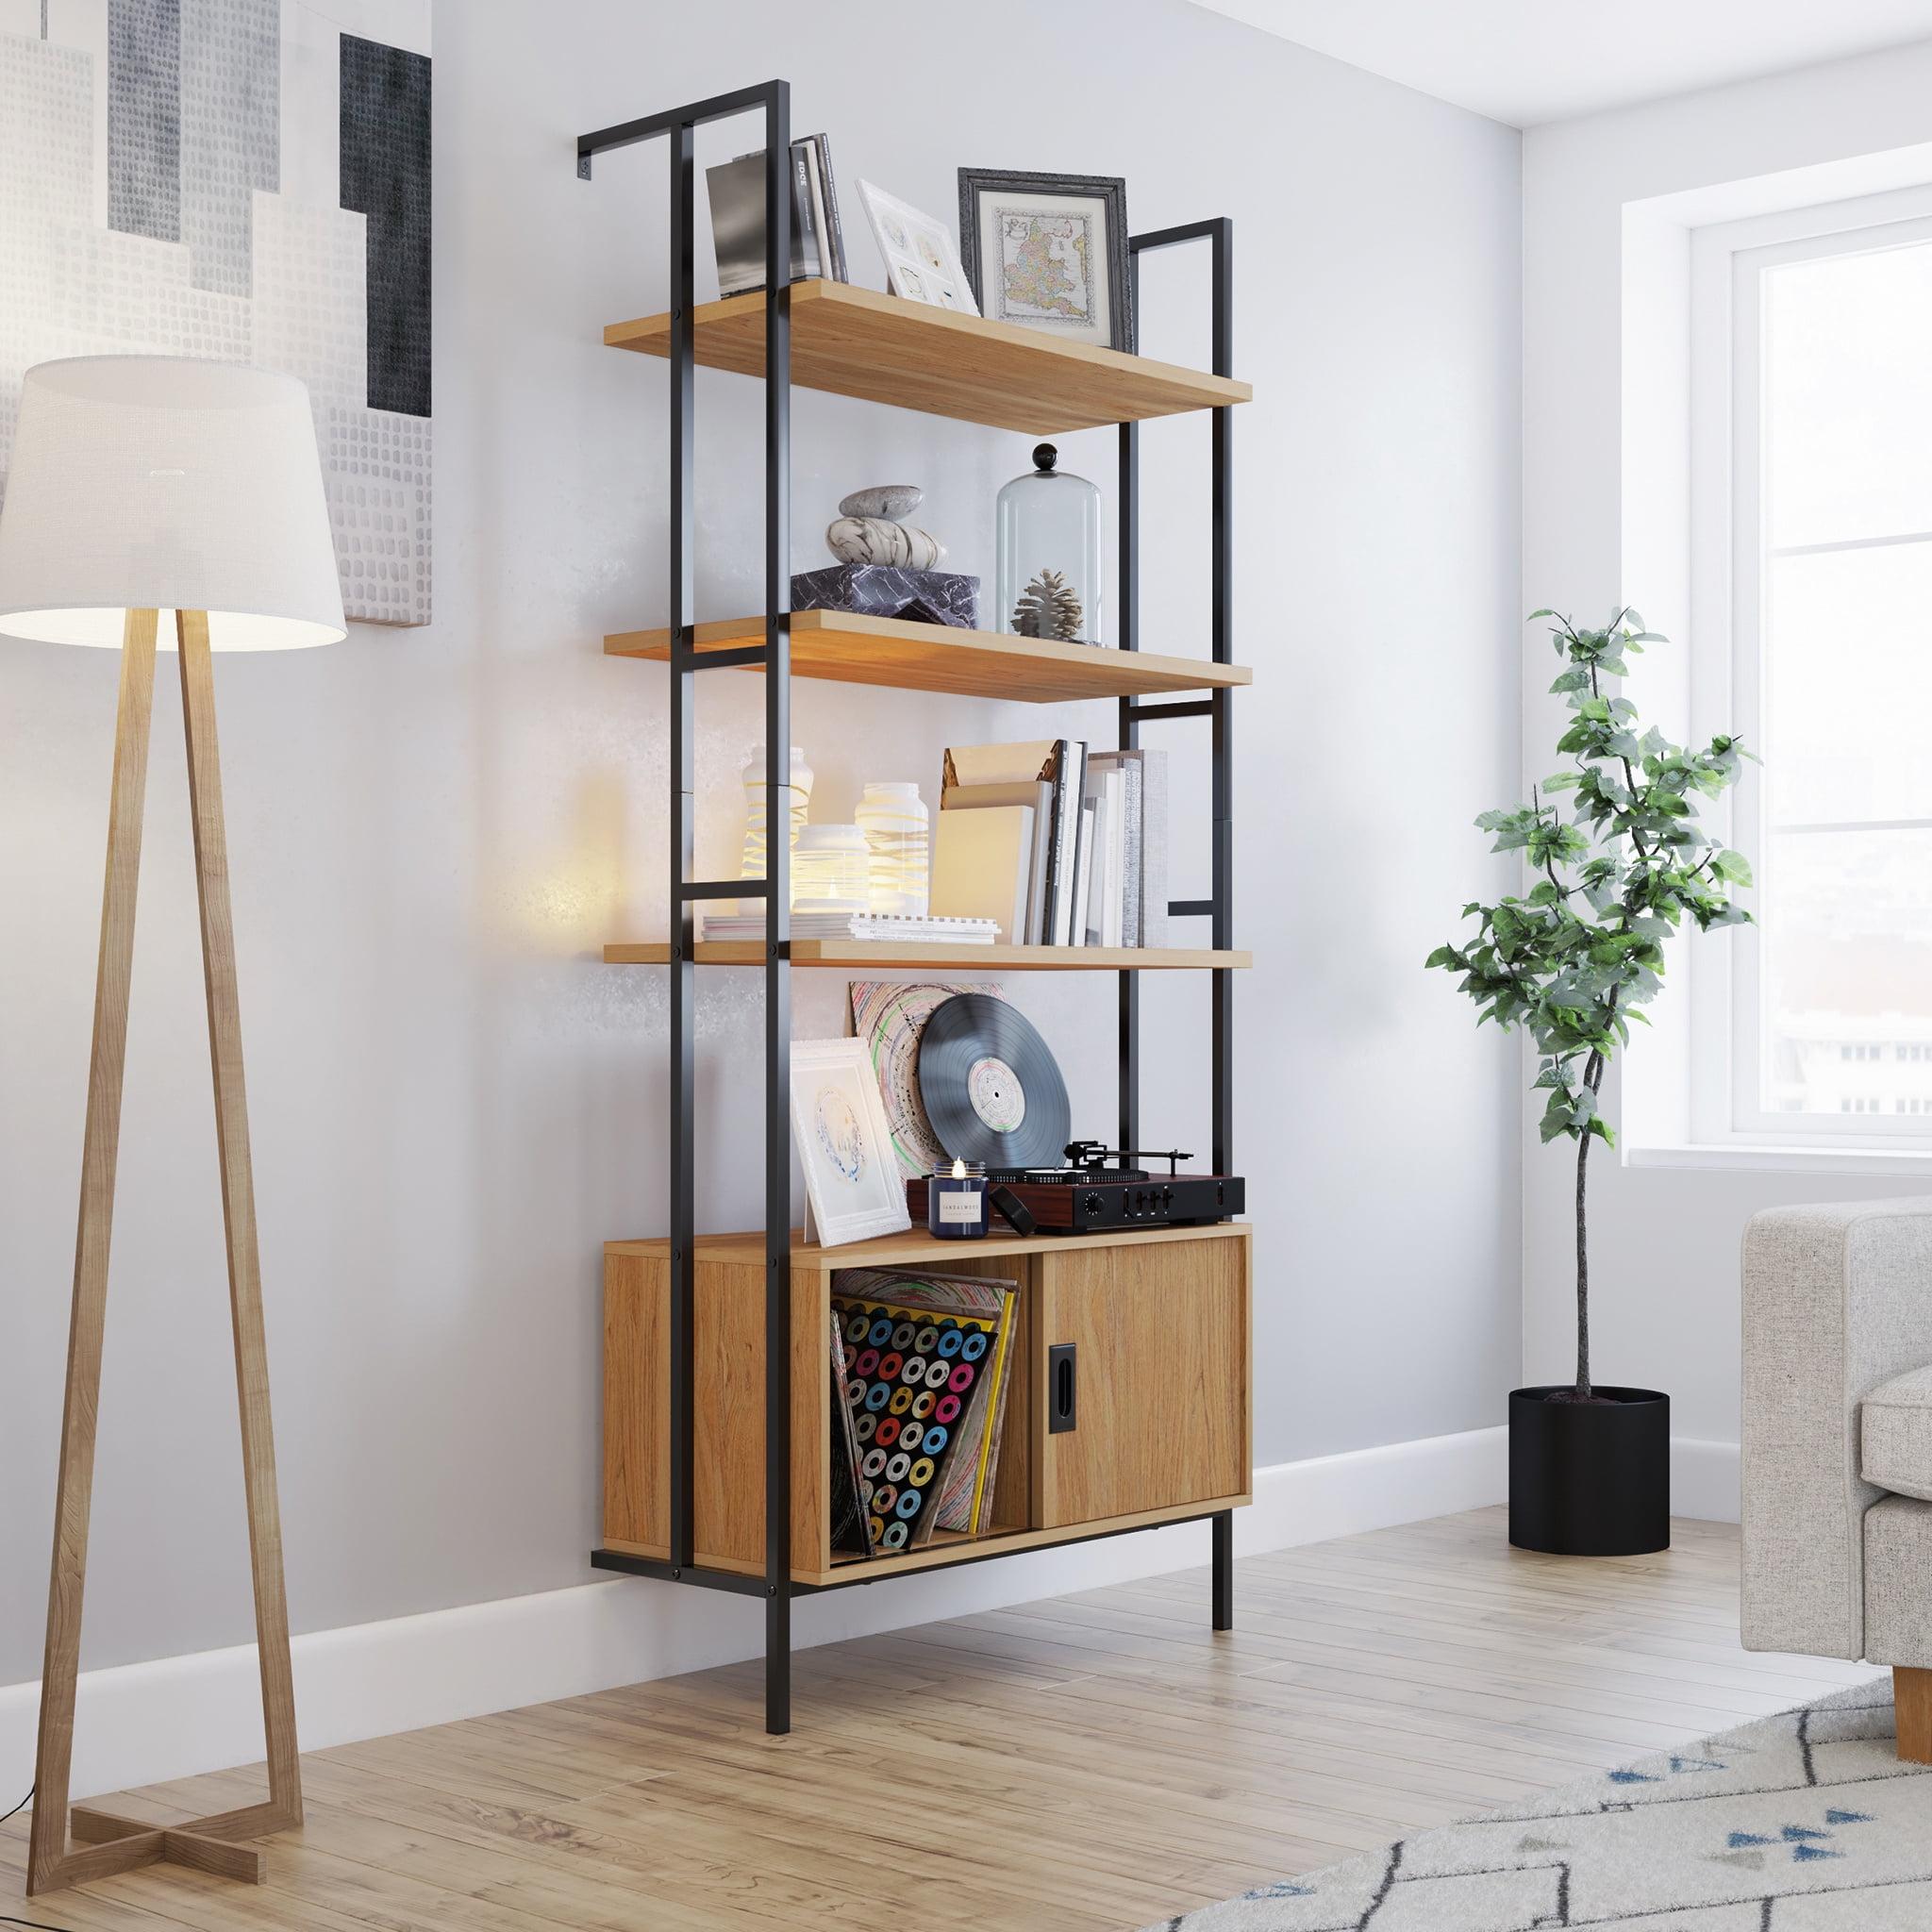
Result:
[{"x": 1062, "y": 1389}]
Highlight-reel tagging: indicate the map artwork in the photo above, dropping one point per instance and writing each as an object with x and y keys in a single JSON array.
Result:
[{"x": 1045, "y": 267}]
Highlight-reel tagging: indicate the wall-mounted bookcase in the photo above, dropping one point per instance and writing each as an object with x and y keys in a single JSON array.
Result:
[{"x": 1163, "y": 1314}]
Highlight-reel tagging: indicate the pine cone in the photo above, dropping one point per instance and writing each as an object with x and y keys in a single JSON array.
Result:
[{"x": 1048, "y": 608}]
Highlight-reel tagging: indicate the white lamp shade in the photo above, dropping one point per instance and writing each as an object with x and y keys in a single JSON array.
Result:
[{"x": 160, "y": 482}]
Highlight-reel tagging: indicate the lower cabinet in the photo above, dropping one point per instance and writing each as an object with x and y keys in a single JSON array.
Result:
[{"x": 1130, "y": 1401}]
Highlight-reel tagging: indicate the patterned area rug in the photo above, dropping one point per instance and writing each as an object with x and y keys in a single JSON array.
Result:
[{"x": 1802, "y": 1822}]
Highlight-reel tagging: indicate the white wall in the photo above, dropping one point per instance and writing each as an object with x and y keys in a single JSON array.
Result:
[
  {"x": 433, "y": 831},
  {"x": 1664, "y": 1250}
]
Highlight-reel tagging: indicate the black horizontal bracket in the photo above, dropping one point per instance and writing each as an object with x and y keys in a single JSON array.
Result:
[
  {"x": 724, "y": 661},
  {"x": 629, "y": 133},
  {"x": 1192, "y": 708},
  {"x": 727, "y": 1580},
  {"x": 723, "y": 889}
]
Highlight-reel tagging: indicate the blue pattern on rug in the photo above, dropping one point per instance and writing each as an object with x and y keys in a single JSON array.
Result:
[{"x": 1710, "y": 1838}]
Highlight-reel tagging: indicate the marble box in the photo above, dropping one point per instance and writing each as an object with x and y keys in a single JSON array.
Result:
[{"x": 878, "y": 589}]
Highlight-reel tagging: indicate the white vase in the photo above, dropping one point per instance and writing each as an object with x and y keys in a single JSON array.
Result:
[
  {"x": 894, "y": 819},
  {"x": 798, "y": 794},
  {"x": 830, "y": 870}
]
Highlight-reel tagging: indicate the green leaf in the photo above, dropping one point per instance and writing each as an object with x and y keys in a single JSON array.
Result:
[{"x": 1535, "y": 614}]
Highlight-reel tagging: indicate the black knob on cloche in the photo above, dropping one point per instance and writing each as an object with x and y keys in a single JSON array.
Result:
[{"x": 1045, "y": 456}]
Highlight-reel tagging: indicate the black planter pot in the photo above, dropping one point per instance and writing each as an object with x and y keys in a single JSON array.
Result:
[{"x": 1590, "y": 1479}]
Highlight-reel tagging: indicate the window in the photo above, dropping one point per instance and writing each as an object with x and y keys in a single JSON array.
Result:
[{"x": 1811, "y": 584}]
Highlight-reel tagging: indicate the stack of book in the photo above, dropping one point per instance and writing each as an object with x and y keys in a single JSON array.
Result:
[
  {"x": 737, "y": 217},
  {"x": 882, "y": 927},
  {"x": 1057, "y": 844},
  {"x": 921, "y": 1367}
]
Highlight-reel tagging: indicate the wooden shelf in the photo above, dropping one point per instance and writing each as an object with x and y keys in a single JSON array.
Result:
[
  {"x": 916, "y": 1248},
  {"x": 849, "y": 648},
  {"x": 846, "y": 955},
  {"x": 882, "y": 349}
]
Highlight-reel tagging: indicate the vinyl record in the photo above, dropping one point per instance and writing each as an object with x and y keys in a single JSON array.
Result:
[{"x": 992, "y": 1090}]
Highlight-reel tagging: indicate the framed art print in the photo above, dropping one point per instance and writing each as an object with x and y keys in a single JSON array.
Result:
[
  {"x": 1049, "y": 252},
  {"x": 852, "y": 1176},
  {"x": 922, "y": 264}
]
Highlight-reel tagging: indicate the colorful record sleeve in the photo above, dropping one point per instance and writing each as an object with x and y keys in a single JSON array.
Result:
[
  {"x": 889, "y": 1017},
  {"x": 892, "y": 1358}
]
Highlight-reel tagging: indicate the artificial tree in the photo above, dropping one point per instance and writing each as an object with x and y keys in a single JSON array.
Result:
[{"x": 1573, "y": 959}]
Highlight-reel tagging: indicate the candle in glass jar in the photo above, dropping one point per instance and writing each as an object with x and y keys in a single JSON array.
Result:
[{"x": 956, "y": 1202}]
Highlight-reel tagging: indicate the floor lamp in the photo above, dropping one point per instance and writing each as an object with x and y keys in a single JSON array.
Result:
[{"x": 145, "y": 486}]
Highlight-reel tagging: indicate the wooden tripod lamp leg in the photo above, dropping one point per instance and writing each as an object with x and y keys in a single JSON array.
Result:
[
  {"x": 54, "y": 1759},
  {"x": 237, "y": 1213},
  {"x": 106, "y": 1844}
]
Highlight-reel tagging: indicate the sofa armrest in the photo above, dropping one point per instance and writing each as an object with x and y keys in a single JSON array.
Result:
[{"x": 1836, "y": 1299}]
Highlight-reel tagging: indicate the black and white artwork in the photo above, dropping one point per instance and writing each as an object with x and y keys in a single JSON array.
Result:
[{"x": 246, "y": 180}]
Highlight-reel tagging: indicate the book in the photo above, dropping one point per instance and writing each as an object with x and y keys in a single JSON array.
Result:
[
  {"x": 1058, "y": 762},
  {"x": 1104, "y": 791},
  {"x": 1083, "y": 875},
  {"x": 883, "y": 927},
  {"x": 1115, "y": 847},
  {"x": 1142, "y": 862},
  {"x": 1154, "y": 848},
  {"x": 1070, "y": 771},
  {"x": 982, "y": 866},
  {"x": 737, "y": 191},
  {"x": 1037, "y": 792},
  {"x": 825, "y": 206}
]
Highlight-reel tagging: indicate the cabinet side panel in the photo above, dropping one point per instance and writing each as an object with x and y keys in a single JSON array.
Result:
[
  {"x": 1012, "y": 1492},
  {"x": 1161, "y": 1334},
  {"x": 812, "y": 1423},
  {"x": 637, "y": 1444},
  {"x": 728, "y": 1398}
]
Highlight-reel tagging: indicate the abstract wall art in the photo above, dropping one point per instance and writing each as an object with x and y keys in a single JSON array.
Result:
[{"x": 246, "y": 180}]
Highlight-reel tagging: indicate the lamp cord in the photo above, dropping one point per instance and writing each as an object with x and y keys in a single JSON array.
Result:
[{"x": 34, "y": 1925}]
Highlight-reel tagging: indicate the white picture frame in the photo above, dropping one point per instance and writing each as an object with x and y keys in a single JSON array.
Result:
[
  {"x": 851, "y": 1181},
  {"x": 922, "y": 260}
]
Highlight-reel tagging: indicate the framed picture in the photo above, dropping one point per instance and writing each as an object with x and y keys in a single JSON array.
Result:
[
  {"x": 922, "y": 264},
  {"x": 839, "y": 1123},
  {"x": 1049, "y": 252}
]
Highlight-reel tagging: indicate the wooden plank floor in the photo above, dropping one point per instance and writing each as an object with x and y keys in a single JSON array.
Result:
[{"x": 1087, "y": 1764}]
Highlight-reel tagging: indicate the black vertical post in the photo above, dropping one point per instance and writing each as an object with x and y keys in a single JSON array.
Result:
[
  {"x": 1222, "y": 980},
  {"x": 1127, "y": 625},
  {"x": 1221, "y": 539},
  {"x": 683, "y": 832},
  {"x": 1223, "y": 1570},
  {"x": 777, "y": 910}
]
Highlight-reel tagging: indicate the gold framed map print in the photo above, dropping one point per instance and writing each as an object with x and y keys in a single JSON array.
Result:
[{"x": 1049, "y": 252}]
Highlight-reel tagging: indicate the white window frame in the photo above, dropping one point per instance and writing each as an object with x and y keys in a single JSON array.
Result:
[{"x": 1726, "y": 564}]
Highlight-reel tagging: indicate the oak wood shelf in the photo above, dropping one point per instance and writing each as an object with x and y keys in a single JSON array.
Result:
[
  {"x": 879, "y": 348},
  {"x": 916, "y": 1248},
  {"x": 850, "y": 648},
  {"x": 846, "y": 955}
]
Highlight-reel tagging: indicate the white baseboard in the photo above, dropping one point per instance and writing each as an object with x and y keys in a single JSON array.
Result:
[
  {"x": 141, "y": 1724},
  {"x": 1705, "y": 1479}
]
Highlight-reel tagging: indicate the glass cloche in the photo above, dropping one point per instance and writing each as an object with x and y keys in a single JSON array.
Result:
[{"x": 1049, "y": 553}]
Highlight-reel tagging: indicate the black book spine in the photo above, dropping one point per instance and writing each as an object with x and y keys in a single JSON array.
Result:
[{"x": 835, "y": 234}]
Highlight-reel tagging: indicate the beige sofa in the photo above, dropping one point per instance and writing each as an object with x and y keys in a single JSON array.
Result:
[{"x": 1838, "y": 1442}]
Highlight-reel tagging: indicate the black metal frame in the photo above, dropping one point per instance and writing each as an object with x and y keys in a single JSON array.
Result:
[
  {"x": 679, "y": 127},
  {"x": 1218, "y": 908}
]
